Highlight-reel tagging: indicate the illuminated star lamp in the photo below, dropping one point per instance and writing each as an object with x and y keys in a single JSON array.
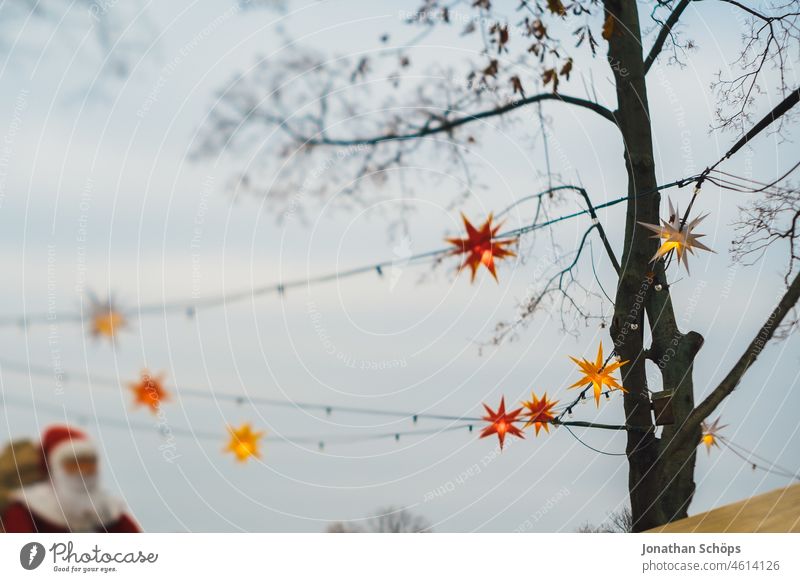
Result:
[
  {"x": 710, "y": 434},
  {"x": 244, "y": 442},
  {"x": 598, "y": 375},
  {"x": 682, "y": 240},
  {"x": 149, "y": 391},
  {"x": 501, "y": 423},
  {"x": 539, "y": 412},
  {"x": 107, "y": 320},
  {"x": 481, "y": 247}
]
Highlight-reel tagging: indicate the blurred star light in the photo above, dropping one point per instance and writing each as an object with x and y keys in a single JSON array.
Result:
[
  {"x": 107, "y": 320},
  {"x": 149, "y": 391},
  {"x": 710, "y": 434},
  {"x": 481, "y": 247},
  {"x": 244, "y": 442}
]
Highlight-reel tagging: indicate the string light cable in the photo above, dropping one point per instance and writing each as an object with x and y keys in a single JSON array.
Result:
[
  {"x": 190, "y": 307},
  {"x": 242, "y": 399},
  {"x": 457, "y": 423},
  {"x": 463, "y": 422},
  {"x": 768, "y": 466},
  {"x": 165, "y": 431}
]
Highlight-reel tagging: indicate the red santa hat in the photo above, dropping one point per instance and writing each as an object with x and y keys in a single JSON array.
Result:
[{"x": 60, "y": 442}]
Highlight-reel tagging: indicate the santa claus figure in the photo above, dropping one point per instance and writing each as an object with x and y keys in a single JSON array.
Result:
[{"x": 70, "y": 498}]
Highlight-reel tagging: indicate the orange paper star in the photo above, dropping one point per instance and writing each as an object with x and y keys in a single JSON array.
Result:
[
  {"x": 244, "y": 442},
  {"x": 539, "y": 413},
  {"x": 107, "y": 320},
  {"x": 597, "y": 375},
  {"x": 501, "y": 423},
  {"x": 710, "y": 434},
  {"x": 481, "y": 247},
  {"x": 149, "y": 391}
]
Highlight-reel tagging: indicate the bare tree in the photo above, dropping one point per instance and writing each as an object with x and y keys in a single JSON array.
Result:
[
  {"x": 308, "y": 110},
  {"x": 385, "y": 520},
  {"x": 111, "y": 34},
  {"x": 618, "y": 522},
  {"x": 774, "y": 218},
  {"x": 114, "y": 36}
]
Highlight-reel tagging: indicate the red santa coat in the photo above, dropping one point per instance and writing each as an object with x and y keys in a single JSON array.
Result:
[
  {"x": 17, "y": 518},
  {"x": 79, "y": 507}
]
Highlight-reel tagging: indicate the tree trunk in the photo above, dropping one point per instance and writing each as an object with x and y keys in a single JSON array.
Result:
[
  {"x": 674, "y": 353},
  {"x": 642, "y": 290}
]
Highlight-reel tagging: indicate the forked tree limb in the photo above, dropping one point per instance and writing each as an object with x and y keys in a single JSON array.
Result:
[
  {"x": 664, "y": 33},
  {"x": 745, "y": 361},
  {"x": 446, "y": 126}
]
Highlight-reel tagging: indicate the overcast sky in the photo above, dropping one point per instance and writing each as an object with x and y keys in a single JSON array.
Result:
[{"x": 97, "y": 193}]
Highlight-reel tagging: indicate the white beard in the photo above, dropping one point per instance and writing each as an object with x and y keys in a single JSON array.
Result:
[{"x": 74, "y": 502}]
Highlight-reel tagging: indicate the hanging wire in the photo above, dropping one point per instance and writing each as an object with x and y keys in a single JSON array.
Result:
[
  {"x": 748, "y": 456},
  {"x": 240, "y": 399},
  {"x": 328, "y": 409},
  {"x": 128, "y": 424},
  {"x": 777, "y": 112},
  {"x": 596, "y": 278},
  {"x": 320, "y": 441},
  {"x": 719, "y": 181},
  {"x": 106, "y": 421},
  {"x": 185, "y": 306},
  {"x": 588, "y": 446},
  {"x": 746, "y": 179}
]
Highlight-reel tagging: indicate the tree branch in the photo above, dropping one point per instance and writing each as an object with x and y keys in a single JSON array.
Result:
[
  {"x": 447, "y": 126},
  {"x": 747, "y": 359},
  {"x": 758, "y": 15},
  {"x": 779, "y": 111},
  {"x": 590, "y": 207},
  {"x": 601, "y": 231},
  {"x": 664, "y": 33}
]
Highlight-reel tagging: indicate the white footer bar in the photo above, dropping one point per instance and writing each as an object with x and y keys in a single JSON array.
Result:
[{"x": 409, "y": 557}]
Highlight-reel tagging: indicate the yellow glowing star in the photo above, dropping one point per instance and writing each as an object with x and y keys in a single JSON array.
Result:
[
  {"x": 710, "y": 434},
  {"x": 680, "y": 240},
  {"x": 107, "y": 320},
  {"x": 597, "y": 375},
  {"x": 539, "y": 412},
  {"x": 244, "y": 442}
]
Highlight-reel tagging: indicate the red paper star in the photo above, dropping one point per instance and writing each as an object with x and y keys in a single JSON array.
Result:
[
  {"x": 481, "y": 247},
  {"x": 502, "y": 422},
  {"x": 539, "y": 413},
  {"x": 149, "y": 391}
]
